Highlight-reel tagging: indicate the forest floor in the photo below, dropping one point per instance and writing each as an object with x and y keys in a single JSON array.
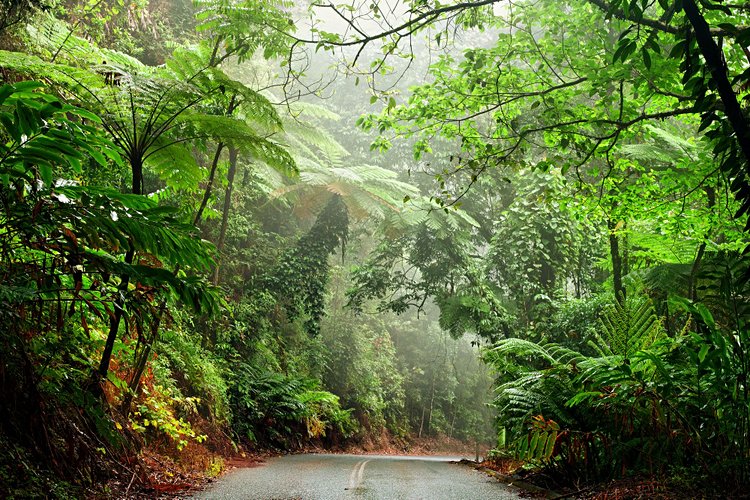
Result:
[
  {"x": 440, "y": 445},
  {"x": 542, "y": 484}
]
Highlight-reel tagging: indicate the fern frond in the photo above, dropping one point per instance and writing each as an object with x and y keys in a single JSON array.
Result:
[
  {"x": 174, "y": 164},
  {"x": 311, "y": 140},
  {"x": 79, "y": 81},
  {"x": 648, "y": 245},
  {"x": 564, "y": 355},
  {"x": 604, "y": 372},
  {"x": 663, "y": 146},
  {"x": 302, "y": 109},
  {"x": 521, "y": 347},
  {"x": 667, "y": 278},
  {"x": 54, "y": 36},
  {"x": 237, "y": 133},
  {"x": 631, "y": 326}
]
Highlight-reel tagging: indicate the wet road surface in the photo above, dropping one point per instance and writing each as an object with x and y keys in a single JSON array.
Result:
[{"x": 358, "y": 476}]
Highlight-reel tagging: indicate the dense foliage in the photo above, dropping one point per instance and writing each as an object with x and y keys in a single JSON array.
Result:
[
  {"x": 196, "y": 251},
  {"x": 604, "y": 146}
]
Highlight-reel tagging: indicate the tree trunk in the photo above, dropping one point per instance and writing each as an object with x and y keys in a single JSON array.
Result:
[
  {"x": 225, "y": 214},
  {"x": 214, "y": 166},
  {"x": 142, "y": 361},
  {"x": 432, "y": 403},
  {"x": 115, "y": 319},
  {"x": 711, "y": 195},
  {"x": 614, "y": 252},
  {"x": 717, "y": 66},
  {"x": 421, "y": 423},
  {"x": 209, "y": 185},
  {"x": 136, "y": 164}
]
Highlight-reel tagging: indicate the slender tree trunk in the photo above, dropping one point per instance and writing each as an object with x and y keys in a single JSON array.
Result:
[
  {"x": 421, "y": 423},
  {"x": 614, "y": 252},
  {"x": 432, "y": 403},
  {"x": 711, "y": 196},
  {"x": 115, "y": 319},
  {"x": 214, "y": 165},
  {"x": 210, "y": 184},
  {"x": 142, "y": 361},
  {"x": 231, "y": 173},
  {"x": 453, "y": 421},
  {"x": 136, "y": 165}
]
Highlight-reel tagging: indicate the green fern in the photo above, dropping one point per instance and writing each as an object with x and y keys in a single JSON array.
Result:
[
  {"x": 663, "y": 146},
  {"x": 629, "y": 327},
  {"x": 53, "y": 37}
]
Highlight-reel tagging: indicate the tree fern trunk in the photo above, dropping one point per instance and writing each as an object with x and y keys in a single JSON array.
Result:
[{"x": 136, "y": 165}]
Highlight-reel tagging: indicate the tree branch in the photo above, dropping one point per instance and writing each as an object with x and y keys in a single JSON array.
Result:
[{"x": 716, "y": 65}]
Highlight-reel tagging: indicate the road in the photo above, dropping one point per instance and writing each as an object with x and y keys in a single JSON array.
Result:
[{"x": 329, "y": 477}]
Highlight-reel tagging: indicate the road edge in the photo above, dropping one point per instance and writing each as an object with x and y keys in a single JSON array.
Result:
[{"x": 510, "y": 480}]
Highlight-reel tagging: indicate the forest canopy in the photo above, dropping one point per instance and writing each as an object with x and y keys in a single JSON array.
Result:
[{"x": 268, "y": 225}]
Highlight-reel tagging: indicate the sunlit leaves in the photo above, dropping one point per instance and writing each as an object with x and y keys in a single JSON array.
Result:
[
  {"x": 43, "y": 132},
  {"x": 246, "y": 26}
]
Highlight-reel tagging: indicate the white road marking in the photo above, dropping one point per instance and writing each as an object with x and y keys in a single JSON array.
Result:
[
  {"x": 361, "y": 473},
  {"x": 358, "y": 473},
  {"x": 353, "y": 476}
]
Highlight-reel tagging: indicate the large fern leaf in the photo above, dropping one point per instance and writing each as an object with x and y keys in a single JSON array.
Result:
[{"x": 630, "y": 326}]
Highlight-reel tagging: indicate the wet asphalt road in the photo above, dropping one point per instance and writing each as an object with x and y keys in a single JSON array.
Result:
[{"x": 358, "y": 476}]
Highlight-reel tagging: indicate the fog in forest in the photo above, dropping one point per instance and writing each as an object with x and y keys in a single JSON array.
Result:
[{"x": 234, "y": 229}]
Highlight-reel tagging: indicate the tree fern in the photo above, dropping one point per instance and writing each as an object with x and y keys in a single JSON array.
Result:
[
  {"x": 662, "y": 145},
  {"x": 192, "y": 64},
  {"x": 725, "y": 286},
  {"x": 56, "y": 41},
  {"x": 630, "y": 326},
  {"x": 67, "y": 78},
  {"x": 583, "y": 396}
]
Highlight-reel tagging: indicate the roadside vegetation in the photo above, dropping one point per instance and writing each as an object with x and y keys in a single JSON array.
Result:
[{"x": 232, "y": 227}]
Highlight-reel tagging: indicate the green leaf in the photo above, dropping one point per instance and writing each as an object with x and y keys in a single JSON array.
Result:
[
  {"x": 703, "y": 351},
  {"x": 45, "y": 172},
  {"x": 5, "y": 92}
]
